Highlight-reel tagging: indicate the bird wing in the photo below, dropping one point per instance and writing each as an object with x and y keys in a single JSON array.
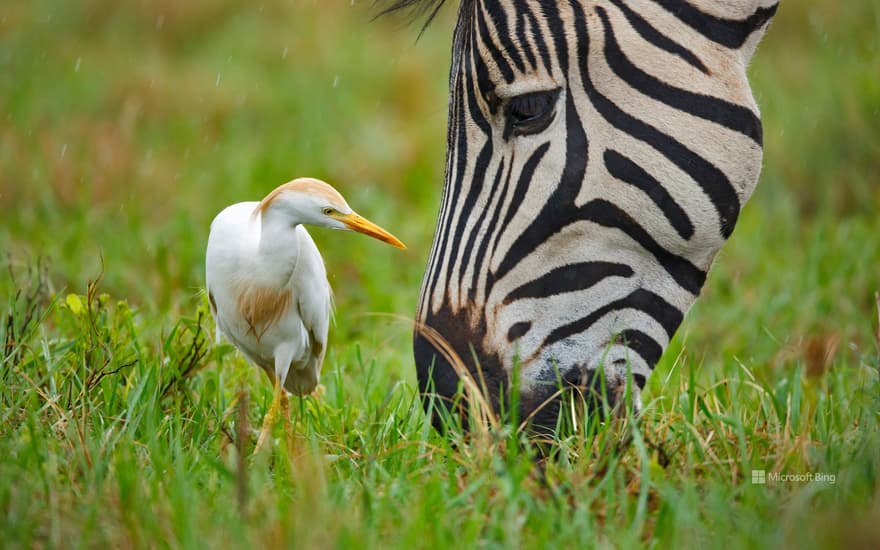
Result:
[
  {"x": 314, "y": 298},
  {"x": 232, "y": 239}
]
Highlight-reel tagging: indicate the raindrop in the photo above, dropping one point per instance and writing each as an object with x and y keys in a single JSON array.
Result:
[
  {"x": 78, "y": 62},
  {"x": 160, "y": 22},
  {"x": 336, "y": 81},
  {"x": 284, "y": 53},
  {"x": 63, "y": 150},
  {"x": 217, "y": 82}
]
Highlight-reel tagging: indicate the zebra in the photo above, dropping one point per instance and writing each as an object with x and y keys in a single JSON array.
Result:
[{"x": 598, "y": 155}]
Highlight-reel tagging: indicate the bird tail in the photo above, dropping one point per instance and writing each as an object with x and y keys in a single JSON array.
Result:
[{"x": 303, "y": 381}]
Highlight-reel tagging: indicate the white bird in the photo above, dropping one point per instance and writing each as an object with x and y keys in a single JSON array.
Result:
[{"x": 267, "y": 284}]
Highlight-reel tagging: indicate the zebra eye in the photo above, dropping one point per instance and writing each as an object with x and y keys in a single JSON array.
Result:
[{"x": 530, "y": 113}]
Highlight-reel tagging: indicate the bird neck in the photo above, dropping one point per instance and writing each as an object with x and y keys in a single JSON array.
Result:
[{"x": 279, "y": 245}]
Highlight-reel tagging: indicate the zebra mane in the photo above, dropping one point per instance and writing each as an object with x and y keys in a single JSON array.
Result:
[{"x": 416, "y": 9}]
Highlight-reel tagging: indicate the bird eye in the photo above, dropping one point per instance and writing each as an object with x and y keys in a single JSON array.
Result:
[{"x": 328, "y": 211}]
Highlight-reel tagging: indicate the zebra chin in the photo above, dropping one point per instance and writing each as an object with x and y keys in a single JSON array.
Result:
[{"x": 451, "y": 345}]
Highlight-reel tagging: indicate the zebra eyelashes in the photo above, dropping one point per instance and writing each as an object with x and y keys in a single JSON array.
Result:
[{"x": 528, "y": 114}]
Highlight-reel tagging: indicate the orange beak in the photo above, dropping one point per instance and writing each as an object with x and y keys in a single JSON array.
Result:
[{"x": 360, "y": 224}]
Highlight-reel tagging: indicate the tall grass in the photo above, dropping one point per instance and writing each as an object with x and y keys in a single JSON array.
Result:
[{"x": 127, "y": 127}]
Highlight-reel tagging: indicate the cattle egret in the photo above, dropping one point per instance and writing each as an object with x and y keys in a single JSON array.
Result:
[{"x": 267, "y": 284}]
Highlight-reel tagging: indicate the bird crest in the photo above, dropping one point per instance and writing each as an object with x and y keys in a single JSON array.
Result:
[{"x": 309, "y": 186}]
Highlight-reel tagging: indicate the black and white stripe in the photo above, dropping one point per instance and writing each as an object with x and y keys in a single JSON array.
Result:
[{"x": 599, "y": 154}]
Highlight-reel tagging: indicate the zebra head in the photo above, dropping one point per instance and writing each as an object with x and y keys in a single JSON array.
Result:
[{"x": 598, "y": 155}]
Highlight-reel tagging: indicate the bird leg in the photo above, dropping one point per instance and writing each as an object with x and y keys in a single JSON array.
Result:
[
  {"x": 271, "y": 415},
  {"x": 288, "y": 428}
]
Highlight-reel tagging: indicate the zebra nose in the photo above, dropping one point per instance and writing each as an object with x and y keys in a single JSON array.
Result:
[{"x": 518, "y": 330}]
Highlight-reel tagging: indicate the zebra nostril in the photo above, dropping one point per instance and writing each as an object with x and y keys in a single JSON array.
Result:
[{"x": 518, "y": 330}]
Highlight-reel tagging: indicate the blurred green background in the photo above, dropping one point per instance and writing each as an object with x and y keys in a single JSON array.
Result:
[{"x": 126, "y": 126}]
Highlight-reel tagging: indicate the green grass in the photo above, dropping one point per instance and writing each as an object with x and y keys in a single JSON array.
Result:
[{"x": 126, "y": 127}]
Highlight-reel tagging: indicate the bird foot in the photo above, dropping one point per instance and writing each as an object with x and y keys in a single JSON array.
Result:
[
  {"x": 270, "y": 418},
  {"x": 265, "y": 434}
]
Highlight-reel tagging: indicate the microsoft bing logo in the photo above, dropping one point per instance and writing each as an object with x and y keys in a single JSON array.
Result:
[{"x": 761, "y": 477}]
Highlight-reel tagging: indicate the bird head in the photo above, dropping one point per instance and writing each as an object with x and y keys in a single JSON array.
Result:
[{"x": 314, "y": 202}]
